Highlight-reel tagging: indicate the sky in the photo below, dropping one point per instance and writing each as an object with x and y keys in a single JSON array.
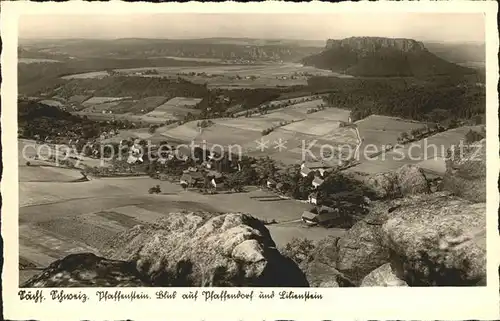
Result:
[{"x": 420, "y": 26}]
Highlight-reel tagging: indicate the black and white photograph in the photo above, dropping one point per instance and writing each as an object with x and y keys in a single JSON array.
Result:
[
  {"x": 251, "y": 150},
  {"x": 188, "y": 150}
]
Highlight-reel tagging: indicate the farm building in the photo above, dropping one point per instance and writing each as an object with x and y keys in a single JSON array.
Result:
[
  {"x": 134, "y": 159},
  {"x": 309, "y": 218},
  {"x": 271, "y": 183},
  {"x": 304, "y": 170},
  {"x": 313, "y": 198},
  {"x": 317, "y": 182},
  {"x": 320, "y": 215},
  {"x": 321, "y": 167},
  {"x": 191, "y": 178}
]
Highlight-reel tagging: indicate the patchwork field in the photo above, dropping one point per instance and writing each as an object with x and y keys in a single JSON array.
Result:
[
  {"x": 51, "y": 102},
  {"x": 130, "y": 117},
  {"x": 35, "y": 60},
  {"x": 227, "y": 76},
  {"x": 101, "y": 100},
  {"x": 175, "y": 108},
  {"x": 315, "y": 127},
  {"x": 251, "y": 123},
  {"x": 87, "y": 75},
  {"x": 429, "y": 152},
  {"x": 384, "y": 130},
  {"x": 296, "y": 136},
  {"x": 48, "y": 174},
  {"x": 57, "y": 220}
]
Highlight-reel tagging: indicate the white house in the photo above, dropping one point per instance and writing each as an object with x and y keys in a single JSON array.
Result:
[
  {"x": 271, "y": 183},
  {"x": 304, "y": 170},
  {"x": 317, "y": 182},
  {"x": 313, "y": 198}
]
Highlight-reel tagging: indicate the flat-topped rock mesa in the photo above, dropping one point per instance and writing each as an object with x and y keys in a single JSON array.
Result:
[
  {"x": 382, "y": 57},
  {"x": 372, "y": 44}
]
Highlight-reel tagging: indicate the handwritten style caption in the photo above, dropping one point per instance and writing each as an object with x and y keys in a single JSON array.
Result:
[{"x": 40, "y": 296}]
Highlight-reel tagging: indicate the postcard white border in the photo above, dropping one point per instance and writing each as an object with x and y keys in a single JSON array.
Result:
[{"x": 338, "y": 303}]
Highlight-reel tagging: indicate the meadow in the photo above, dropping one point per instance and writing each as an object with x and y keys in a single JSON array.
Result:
[
  {"x": 227, "y": 76},
  {"x": 175, "y": 108},
  {"x": 57, "y": 218},
  {"x": 429, "y": 152}
]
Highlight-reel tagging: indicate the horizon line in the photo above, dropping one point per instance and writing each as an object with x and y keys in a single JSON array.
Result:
[{"x": 242, "y": 38}]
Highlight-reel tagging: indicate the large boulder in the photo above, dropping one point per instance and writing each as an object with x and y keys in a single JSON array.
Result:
[
  {"x": 466, "y": 171},
  {"x": 406, "y": 180},
  {"x": 438, "y": 241},
  {"x": 360, "y": 250},
  {"x": 383, "y": 185},
  {"x": 87, "y": 270},
  {"x": 192, "y": 249},
  {"x": 412, "y": 180},
  {"x": 320, "y": 267},
  {"x": 383, "y": 276}
]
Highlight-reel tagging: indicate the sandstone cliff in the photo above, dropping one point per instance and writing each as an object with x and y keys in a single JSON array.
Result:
[
  {"x": 379, "y": 57},
  {"x": 373, "y": 44}
]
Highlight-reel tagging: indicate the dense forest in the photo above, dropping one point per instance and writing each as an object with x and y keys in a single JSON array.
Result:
[
  {"x": 40, "y": 121},
  {"x": 434, "y": 99},
  {"x": 34, "y": 78},
  {"x": 134, "y": 87}
]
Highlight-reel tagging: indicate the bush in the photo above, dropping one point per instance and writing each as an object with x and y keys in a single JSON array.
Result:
[
  {"x": 299, "y": 250},
  {"x": 155, "y": 190},
  {"x": 267, "y": 131},
  {"x": 473, "y": 136}
]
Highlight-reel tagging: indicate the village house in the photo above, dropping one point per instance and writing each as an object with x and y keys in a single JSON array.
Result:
[
  {"x": 313, "y": 198},
  {"x": 206, "y": 164},
  {"x": 321, "y": 215},
  {"x": 317, "y": 182},
  {"x": 304, "y": 170},
  {"x": 271, "y": 183},
  {"x": 320, "y": 167},
  {"x": 216, "y": 179},
  {"x": 309, "y": 218},
  {"x": 134, "y": 159},
  {"x": 190, "y": 179}
]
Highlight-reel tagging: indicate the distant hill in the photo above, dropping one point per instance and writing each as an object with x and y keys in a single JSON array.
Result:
[
  {"x": 381, "y": 57},
  {"x": 458, "y": 52},
  {"x": 217, "y": 48}
]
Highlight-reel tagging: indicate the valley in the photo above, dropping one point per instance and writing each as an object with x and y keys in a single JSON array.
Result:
[{"x": 312, "y": 128}]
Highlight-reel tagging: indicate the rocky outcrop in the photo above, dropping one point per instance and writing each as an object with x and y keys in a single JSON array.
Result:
[
  {"x": 407, "y": 180},
  {"x": 383, "y": 276},
  {"x": 373, "y": 44},
  {"x": 440, "y": 241},
  {"x": 412, "y": 180},
  {"x": 191, "y": 249},
  {"x": 378, "y": 57},
  {"x": 429, "y": 239},
  {"x": 87, "y": 270},
  {"x": 466, "y": 171},
  {"x": 321, "y": 269},
  {"x": 361, "y": 250}
]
